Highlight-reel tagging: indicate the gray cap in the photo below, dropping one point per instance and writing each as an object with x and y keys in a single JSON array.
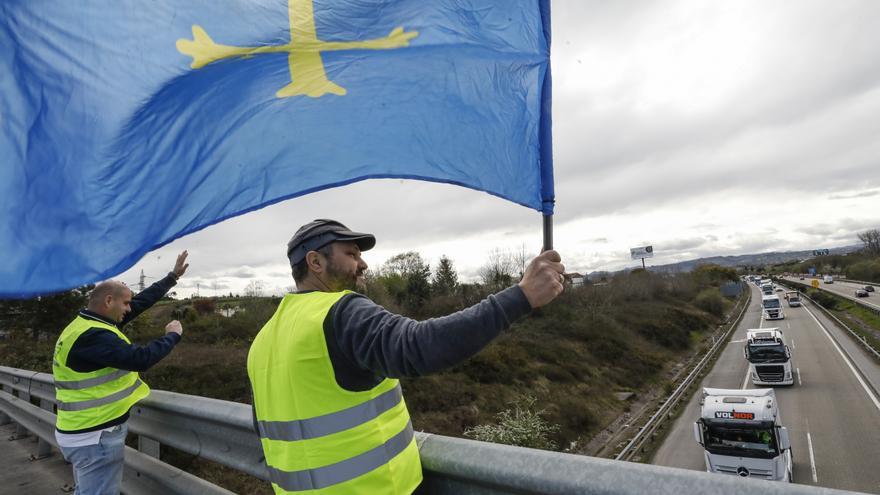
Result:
[{"x": 318, "y": 233}]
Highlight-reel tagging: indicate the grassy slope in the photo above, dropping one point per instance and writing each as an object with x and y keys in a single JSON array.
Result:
[{"x": 572, "y": 356}]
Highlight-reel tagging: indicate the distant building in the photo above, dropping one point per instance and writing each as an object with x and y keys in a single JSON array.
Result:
[{"x": 574, "y": 279}]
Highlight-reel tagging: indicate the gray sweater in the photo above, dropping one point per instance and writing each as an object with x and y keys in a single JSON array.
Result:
[{"x": 368, "y": 343}]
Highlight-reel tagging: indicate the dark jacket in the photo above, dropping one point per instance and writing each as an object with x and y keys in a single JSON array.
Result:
[{"x": 98, "y": 348}]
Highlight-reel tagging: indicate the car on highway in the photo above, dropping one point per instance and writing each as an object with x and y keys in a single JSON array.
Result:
[
  {"x": 801, "y": 277},
  {"x": 869, "y": 288},
  {"x": 861, "y": 293},
  {"x": 779, "y": 289}
]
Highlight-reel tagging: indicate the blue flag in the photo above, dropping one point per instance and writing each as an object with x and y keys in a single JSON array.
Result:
[{"x": 126, "y": 124}]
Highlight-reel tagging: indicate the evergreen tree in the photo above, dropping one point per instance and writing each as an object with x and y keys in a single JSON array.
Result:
[{"x": 445, "y": 278}]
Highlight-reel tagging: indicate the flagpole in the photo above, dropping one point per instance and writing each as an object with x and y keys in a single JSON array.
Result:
[{"x": 548, "y": 232}]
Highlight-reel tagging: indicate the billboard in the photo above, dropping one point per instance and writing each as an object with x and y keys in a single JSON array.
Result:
[
  {"x": 820, "y": 252},
  {"x": 642, "y": 252}
]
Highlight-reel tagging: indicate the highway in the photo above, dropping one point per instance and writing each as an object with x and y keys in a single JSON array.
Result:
[
  {"x": 832, "y": 411},
  {"x": 845, "y": 289}
]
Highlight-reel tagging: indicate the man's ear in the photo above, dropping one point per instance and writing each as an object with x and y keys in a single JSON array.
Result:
[
  {"x": 314, "y": 261},
  {"x": 108, "y": 299}
]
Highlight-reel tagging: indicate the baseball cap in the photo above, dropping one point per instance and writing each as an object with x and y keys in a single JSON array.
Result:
[{"x": 318, "y": 233}]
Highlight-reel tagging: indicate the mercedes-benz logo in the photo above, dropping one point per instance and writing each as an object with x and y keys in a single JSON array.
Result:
[{"x": 742, "y": 471}]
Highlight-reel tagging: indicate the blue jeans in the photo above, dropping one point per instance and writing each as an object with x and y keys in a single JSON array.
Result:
[{"x": 97, "y": 469}]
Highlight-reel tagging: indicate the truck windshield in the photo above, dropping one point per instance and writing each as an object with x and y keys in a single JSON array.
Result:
[
  {"x": 741, "y": 441},
  {"x": 771, "y": 303},
  {"x": 774, "y": 353}
]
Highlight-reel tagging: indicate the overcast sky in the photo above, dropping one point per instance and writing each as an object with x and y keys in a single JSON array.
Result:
[{"x": 702, "y": 128}]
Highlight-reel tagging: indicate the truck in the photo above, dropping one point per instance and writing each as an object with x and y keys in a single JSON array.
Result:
[
  {"x": 828, "y": 279},
  {"x": 793, "y": 298},
  {"x": 768, "y": 356},
  {"x": 772, "y": 307},
  {"x": 741, "y": 434}
]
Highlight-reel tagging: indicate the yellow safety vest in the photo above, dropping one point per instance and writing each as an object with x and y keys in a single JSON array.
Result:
[
  {"x": 317, "y": 437},
  {"x": 90, "y": 399}
]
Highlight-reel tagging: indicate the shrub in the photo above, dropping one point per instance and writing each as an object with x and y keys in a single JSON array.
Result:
[
  {"x": 824, "y": 299},
  {"x": 520, "y": 426},
  {"x": 710, "y": 301},
  {"x": 204, "y": 306}
]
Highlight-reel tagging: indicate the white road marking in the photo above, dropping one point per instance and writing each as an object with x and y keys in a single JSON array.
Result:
[
  {"x": 846, "y": 360},
  {"x": 788, "y": 324},
  {"x": 792, "y": 344},
  {"x": 799, "y": 376},
  {"x": 746, "y": 380},
  {"x": 812, "y": 458}
]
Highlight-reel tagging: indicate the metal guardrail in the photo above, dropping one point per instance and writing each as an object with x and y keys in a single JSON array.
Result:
[
  {"x": 871, "y": 307},
  {"x": 222, "y": 431},
  {"x": 860, "y": 339},
  {"x": 662, "y": 412}
]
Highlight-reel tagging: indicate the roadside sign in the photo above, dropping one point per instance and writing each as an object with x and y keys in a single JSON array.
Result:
[
  {"x": 815, "y": 283},
  {"x": 642, "y": 252}
]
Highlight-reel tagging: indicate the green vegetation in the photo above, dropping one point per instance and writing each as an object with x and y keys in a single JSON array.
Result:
[
  {"x": 568, "y": 359},
  {"x": 862, "y": 265},
  {"x": 520, "y": 426}
]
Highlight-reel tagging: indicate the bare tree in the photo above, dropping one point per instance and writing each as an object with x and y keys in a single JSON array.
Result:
[
  {"x": 520, "y": 259},
  {"x": 254, "y": 289},
  {"x": 498, "y": 271},
  {"x": 871, "y": 241}
]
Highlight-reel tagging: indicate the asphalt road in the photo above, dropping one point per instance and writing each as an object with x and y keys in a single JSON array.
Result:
[
  {"x": 832, "y": 411},
  {"x": 845, "y": 289}
]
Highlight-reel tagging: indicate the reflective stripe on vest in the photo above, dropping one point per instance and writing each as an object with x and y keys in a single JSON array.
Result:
[
  {"x": 89, "y": 399},
  {"x": 91, "y": 382},
  {"x": 317, "y": 437},
  {"x": 313, "y": 479},
  {"x": 88, "y": 404},
  {"x": 304, "y": 429}
]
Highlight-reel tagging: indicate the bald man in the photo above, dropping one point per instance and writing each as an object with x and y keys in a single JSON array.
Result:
[{"x": 96, "y": 381}]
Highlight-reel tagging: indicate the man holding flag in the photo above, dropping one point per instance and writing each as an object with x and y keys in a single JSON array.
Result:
[{"x": 324, "y": 370}]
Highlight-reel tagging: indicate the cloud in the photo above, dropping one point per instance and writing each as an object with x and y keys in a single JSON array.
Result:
[
  {"x": 681, "y": 244},
  {"x": 863, "y": 194}
]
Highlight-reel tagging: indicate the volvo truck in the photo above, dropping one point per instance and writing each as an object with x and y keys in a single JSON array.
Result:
[
  {"x": 772, "y": 307},
  {"x": 768, "y": 356},
  {"x": 741, "y": 434}
]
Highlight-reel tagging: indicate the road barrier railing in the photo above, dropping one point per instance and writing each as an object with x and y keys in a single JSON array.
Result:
[
  {"x": 859, "y": 338},
  {"x": 663, "y": 413},
  {"x": 870, "y": 307},
  {"x": 223, "y": 432}
]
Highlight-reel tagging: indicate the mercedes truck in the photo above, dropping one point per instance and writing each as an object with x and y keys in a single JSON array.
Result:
[
  {"x": 768, "y": 356},
  {"x": 741, "y": 434}
]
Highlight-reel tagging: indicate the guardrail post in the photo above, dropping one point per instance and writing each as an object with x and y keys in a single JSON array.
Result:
[
  {"x": 20, "y": 430},
  {"x": 148, "y": 446},
  {"x": 44, "y": 448}
]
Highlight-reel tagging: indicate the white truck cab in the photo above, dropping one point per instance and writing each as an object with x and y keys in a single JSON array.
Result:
[
  {"x": 828, "y": 279},
  {"x": 768, "y": 356},
  {"x": 741, "y": 433},
  {"x": 772, "y": 307}
]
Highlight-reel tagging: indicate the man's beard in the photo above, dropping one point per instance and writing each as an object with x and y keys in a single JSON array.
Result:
[{"x": 341, "y": 280}]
